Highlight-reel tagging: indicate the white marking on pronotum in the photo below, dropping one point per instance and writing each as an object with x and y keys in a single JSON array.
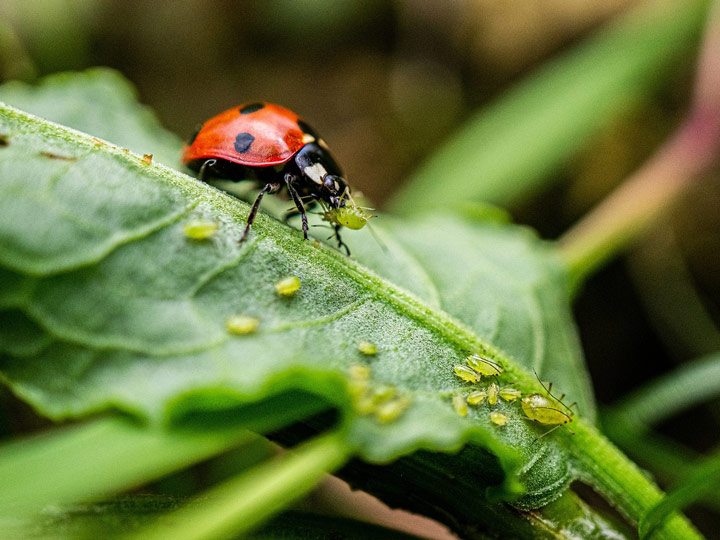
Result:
[
  {"x": 307, "y": 138},
  {"x": 315, "y": 172}
]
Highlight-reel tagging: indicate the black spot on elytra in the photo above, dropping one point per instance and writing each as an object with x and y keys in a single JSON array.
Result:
[
  {"x": 195, "y": 134},
  {"x": 243, "y": 142},
  {"x": 251, "y": 108},
  {"x": 307, "y": 129},
  {"x": 4, "y": 141}
]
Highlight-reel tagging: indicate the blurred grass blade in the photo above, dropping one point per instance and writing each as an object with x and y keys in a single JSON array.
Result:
[
  {"x": 685, "y": 387},
  {"x": 100, "y": 519},
  {"x": 702, "y": 481},
  {"x": 236, "y": 506},
  {"x": 97, "y": 458},
  {"x": 514, "y": 146}
]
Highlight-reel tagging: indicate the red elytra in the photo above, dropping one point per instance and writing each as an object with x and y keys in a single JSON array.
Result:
[{"x": 277, "y": 136}]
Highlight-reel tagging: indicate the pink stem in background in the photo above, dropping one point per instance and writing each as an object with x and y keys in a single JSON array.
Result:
[{"x": 646, "y": 196}]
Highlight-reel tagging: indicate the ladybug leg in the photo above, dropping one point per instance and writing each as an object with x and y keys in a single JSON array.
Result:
[
  {"x": 341, "y": 244},
  {"x": 295, "y": 212},
  {"x": 207, "y": 163},
  {"x": 289, "y": 179},
  {"x": 272, "y": 187}
]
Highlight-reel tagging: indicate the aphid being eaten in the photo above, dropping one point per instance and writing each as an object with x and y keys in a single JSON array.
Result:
[{"x": 353, "y": 217}]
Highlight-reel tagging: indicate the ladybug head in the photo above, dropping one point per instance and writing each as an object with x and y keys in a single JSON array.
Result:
[{"x": 336, "y": 189}]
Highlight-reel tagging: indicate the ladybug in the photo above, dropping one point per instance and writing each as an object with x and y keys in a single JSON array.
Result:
[{"x": 272, "y": 145}]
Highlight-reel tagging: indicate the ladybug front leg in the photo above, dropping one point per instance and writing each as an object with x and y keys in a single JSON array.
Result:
[
  {"x": 289, "y": 179},
  {"x": 272, "y": 187}
]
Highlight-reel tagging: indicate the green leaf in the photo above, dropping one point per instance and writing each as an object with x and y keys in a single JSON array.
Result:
[
  {"x": 519, "y": 143},
  {"x": 703, "y": 480},
  {"x": 131, "y": 316},
  {"x": 136, "y": 320},
  {"x": 101, "y": 102}
]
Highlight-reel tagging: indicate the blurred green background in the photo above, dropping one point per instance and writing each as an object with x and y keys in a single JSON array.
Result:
[{"x": 386, "y": 83}]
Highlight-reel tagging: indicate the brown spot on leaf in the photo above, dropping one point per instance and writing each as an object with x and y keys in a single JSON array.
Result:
[
  {"x": 147, "y": 159},
  {"x": 57, "y": 156}
]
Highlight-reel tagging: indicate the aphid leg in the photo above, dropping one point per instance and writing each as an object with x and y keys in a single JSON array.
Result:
[
  {"x": 341, "y": 244},
  {"x": 206, "y": 164},
  {"x": 289, "y": 179},
  {"x": 272, "y": 187},
  {"x": 536, "y": 439}
]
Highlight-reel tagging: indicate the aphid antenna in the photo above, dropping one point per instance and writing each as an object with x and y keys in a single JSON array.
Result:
[
  {"x": 548, "y": 390},
  {"x": 377, "y": 238},
  {"x": 492, "y": 362}
]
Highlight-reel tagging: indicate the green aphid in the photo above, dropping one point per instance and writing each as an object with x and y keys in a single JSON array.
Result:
[
  {"x": 359, "y": 383},
  {"x": 466, "y": 374},
  {"x": 364, "y": 404},
  {"x": 392, "y": 410},
  {"x": 492, "y": 393},
  {"x": 546, "y": 410},
  {"x": 367, "y": 348},
  {"x": 200, "y": 229},
  {"x": 383, "y": 393},
  {"x": 241, "y": 324},
  {"x": 510, "y": 394},
  {"x": 484, "y": 366},
  {"x": 477, "y": 397},
  {"x": 460, "y": 405},
  {"x": 498, "y": 418},
  {"x": 288, "y": 286},
  {"x": 359, "y": 371}
]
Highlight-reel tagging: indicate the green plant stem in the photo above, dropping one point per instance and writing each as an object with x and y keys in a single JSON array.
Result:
[
  {"x": 647, "y": 195},
  {"x": 97, "y": 458},
  {"x": 236, "y": 506},
  {"x": 622, "y": 483}
]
